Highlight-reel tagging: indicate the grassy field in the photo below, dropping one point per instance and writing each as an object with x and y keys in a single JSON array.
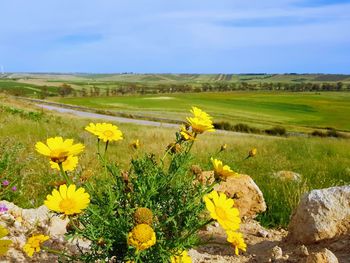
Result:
[
  {"x": 295, "y": 111},
  {"x": 322, "y": 162},
  {"x": 184, "y": 78}
]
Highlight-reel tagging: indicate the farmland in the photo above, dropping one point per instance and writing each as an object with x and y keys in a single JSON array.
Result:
[
  {"x": 295, "y": 111},
  {"x": 322, "y": 162}
]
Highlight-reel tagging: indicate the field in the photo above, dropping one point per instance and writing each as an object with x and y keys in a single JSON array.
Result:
[
  {"x": 322, "y": 162},
  {"x": 296, "y": 111}
]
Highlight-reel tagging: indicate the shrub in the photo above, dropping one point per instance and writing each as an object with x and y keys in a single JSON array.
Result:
[
  {"x": 278, "y": 130},
  {"x": 150, "y": 213}
]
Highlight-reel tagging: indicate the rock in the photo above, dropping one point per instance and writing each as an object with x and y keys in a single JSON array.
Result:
[
  {"x": 263, "y": 233},
  {"x": 276, "y": 253},
  {"x": 321, "y": 214},
  {"x": 205, "y": 177},
  {"x": 248, "y": 198},
  {"x": 302, "y": 251},
  {"x": 287, "y": 176},
  {"x": 22, "y": 223},
  {"x": 324, "y": 256}
]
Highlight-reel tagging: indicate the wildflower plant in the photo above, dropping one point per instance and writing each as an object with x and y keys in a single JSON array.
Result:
[{"x": 151, "y": 212}]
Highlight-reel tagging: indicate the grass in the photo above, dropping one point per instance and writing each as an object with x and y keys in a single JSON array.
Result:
[
  {"x": 323, "y": 162},
  {"x": 295, "y": 111}
]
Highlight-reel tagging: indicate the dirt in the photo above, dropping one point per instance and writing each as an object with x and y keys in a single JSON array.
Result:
[{"x": 259, "y": 249}]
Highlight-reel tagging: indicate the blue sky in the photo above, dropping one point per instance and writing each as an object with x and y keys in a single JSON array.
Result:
[{"x": 192, "y": 36}]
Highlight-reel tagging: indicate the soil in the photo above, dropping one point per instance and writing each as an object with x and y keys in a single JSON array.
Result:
[{"x": 259, "y": 249}]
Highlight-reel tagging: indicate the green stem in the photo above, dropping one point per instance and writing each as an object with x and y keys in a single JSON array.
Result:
[
  {"x": 97, "y": 215},
  {"x": 64, "y": 174},
  {"x": 98, "y": 145},
  {"x": 106, "y": 148}
]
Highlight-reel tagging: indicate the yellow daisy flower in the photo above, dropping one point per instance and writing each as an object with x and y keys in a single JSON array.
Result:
[
  {"x": 186, "y": 134},
  {"x": 236, "y": 239},
  {"x": 182, "y": 258},
  {"x": 68, "y": 165},
  {"x": 92, "y": 129},
  {"x": 58, "y": 149},
  {"x": 135, "y": 144},
  {"x": 33, "y": 244},
  {"x": 105, "y": 131},
  {"x": 222, "y": 171},
  {"x": 68, "y": 200},
  {"x": 4, "y": 244},
  {"x": 142, "y": 237},
  {"x": 201, "y": 121},
  {"x": 252, "y": 152},
  {"x": 221, "y": 209}
]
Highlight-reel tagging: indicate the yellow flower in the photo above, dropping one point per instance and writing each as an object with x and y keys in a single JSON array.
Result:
[
  {"x": 236, "y": 239},
  {"x": 186, "y": 134},
  {"x": 142, "y": 237},
  {"x": 58, "y": 149},
  {"x": 105, "y": 131},
  {"x": 143, "y": 215},
  {"x": 135, "y": 144},
  {"x": 252, "y": 152},
  {"x": 222, "y": 171},
  {"x": 92, "y": 129},
  {"x": 223, "y": 147},
  {"x": 68, "y": 200},
  {"x": 182, "y": 258},
  {"x": 201, "y": 121},
  {"x": 33, "y": 244},
  {"x": 221, "y": 209},
  {"x": 68, "y": 165},
  {"x": 4, "y": 244}
]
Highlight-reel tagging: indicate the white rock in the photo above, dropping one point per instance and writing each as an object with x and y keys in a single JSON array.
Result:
[
  {"x": 287, "y": 176},
  {"x": 276, "y": 253},
  {"x": 321, "y": 214}
]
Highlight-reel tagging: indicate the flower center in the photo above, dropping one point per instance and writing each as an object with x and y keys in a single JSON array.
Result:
[
  {"x": 67, "y": 206},
  {"x": 58, "y": 155},
  {"x": 143, "y": 234},
  {"x": 220, "y": 212},
  {"x": 108, "y": 133}
]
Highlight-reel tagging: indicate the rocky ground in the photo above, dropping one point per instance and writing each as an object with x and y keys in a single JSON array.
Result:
[{"x": 319, "y": 231}]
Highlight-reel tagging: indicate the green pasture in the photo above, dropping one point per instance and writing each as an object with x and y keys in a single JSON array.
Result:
[
  {"x": 296, "y": 111},
  {"x": 322, "y": 162}
]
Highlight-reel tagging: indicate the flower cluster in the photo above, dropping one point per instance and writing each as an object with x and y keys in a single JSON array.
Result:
[
  {"x": 68, "y": 200},
  {"x": 222, "y": 171},
  {"x": 200, "y": 122},
  {"x": 62, "y": 153},
  {"x": 34, "y": 244},
  {"x": 106, "y": 132},
  {"x": 221, "y": 209},
  {"x": 4, "y": 243},
  {"x": 150, "y": 213}
]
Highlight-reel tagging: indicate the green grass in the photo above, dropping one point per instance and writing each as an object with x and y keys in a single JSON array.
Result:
[
  {"x": 295, "y": 111},
  {"x": 323, "y": 162}
]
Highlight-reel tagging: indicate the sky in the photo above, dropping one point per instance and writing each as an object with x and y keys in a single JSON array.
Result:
[{"x": 192, "y": 36}]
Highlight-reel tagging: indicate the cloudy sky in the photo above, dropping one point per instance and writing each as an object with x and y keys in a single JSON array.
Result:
[{"x": 182, "y": 36}]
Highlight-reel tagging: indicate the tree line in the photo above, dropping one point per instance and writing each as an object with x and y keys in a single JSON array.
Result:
[{"x": 137, "y": 88}]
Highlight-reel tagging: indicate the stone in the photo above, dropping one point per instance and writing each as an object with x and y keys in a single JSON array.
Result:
[
  {"x": 324, "y": 256},
  {"x": 205, "y": 177},
  {"x": 248, "y": 197},
  {"x": 322, "y": 214},
  {"x": 276, "y": 253},
  {"x": 302, "y": 251},
  {"x": 288, "y": 176},
  {"x": 263, "y": 233},
  {"x": 22, "y": 223}
]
